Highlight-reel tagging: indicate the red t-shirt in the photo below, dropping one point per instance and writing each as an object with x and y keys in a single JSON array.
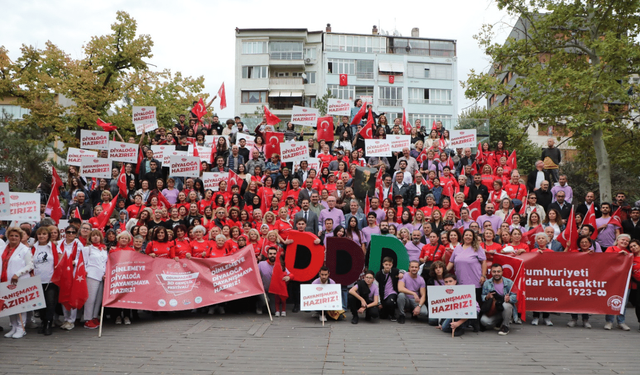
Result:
[
  {"x": 431, "y": 252},
  {"x": 493, "y": 247},
  {"x": 283, "y": 227},
  {"x": 516, "y": 191},
  {"x": 216, "y": 251},
  {"x": 197, "y": 248},
  {"x": 134, "y": 210},
  {"x": 118, "y": 248},
  {"x": 325, "y": 159},
  {"x": 181, "y": 248},
  {"x": 521, "y": 246},
  {"x": 161, "y": 249}
]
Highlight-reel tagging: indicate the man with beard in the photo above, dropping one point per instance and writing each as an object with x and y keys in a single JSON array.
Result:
[
  {"x": 489, "y": 216},
  {"x": 266, "y": 272},
  {"x": 413, "y": 292},
  {"x": 499, "y": 289},
  {"x": 375, "y": 208},
  {"x": 415, "y": 246}
]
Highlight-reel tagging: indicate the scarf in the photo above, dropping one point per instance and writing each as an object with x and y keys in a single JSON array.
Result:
[{"x": 5, "y": 262}]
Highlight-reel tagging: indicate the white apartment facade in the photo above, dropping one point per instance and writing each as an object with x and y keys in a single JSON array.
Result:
[{"x": 285, "y": 67}]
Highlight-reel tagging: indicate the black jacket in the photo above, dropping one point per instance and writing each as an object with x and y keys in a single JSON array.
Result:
[
  {"x": 564, "y": 212},
  {"x": 582, "y": 208},
  {"x": 382, "y": 281},
  {"x": 474, "y": 191},
  {"x": 533, "y": 175}
]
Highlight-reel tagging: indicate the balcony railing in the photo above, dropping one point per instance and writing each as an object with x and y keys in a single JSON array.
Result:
[
  {"x": 286, "y": 55},
  {"x": 390, "y": 102},
  {"x": 364, "y": 75},
  {"x": 285, "y": 81},
  {"x": 429, "y": 101}
]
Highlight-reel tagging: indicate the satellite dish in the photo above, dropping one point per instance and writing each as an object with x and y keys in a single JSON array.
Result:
[{"x": 304, "y": 76}]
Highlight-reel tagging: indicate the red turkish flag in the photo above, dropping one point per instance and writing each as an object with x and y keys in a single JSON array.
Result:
[
  {"x": 512, "y": 161},
  {"x": 367, "y": 131},
  {"x": 122, "y": 182},
  {"x": 530, "y": 237},
  {"x": 79, "y": 292},
  {"x": 233, "y": 179},
  {"x": 140, "y": 158},
  {"x": 62, "y": 277},
  {"x": 475, "y": 209},
  {"x": 223, "y": 97},
  {"x": 53, "y": 204},
  {"x": 509, "y": 218},
  {"x": 422, "y": 157},
  {"x": 433, "y": 126},
  {"x": 56, "y": 180},
  {"x": 513, "y": 269},
  {"x": 405, "y": 123},
  {"x": 343, "y": 80},
  {"x": 272, "y": 144},
  {"x": 569, "y": 236},
  {"x": 325, "y": 128},
  {"x": 106, "y": 126},
  {"x": 590, "y": 218},
  {"x": 271, "y": 118},
  {"x": 616, "y": 218},
  {"x": 277, "y": 285},
  {"x": 480, "y": 154},
  {"x": 199, "y": 109},
  {"x": 163, "y": 200},
  {"x": 358, "y": 117},
  {"x": 104, "y": 216},
  {"x": 77, "y": 213},
  {"x": 367, "y": 204},
  {"x": 392, "y": 79}
]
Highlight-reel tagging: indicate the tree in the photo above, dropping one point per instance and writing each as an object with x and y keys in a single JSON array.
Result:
[
  {"x": 323, "y": 102},
  {"x": 505, "y": 129},
  {"x": 113, "y": 70},
  {"x": 572, "y": 62}
]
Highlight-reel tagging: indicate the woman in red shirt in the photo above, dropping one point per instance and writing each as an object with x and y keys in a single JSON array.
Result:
[
  {"x": 255, "y": 241},
  {"x": 219, "y": 247},
  {"x": 283, "y": 224},
  {"x": 519, "y": 247},
  {"x": 432, "y": 251},
  {"x": 200, "y": 248},
  {"x": 182, "y": 201},
  {"x": 160, "y": 246},
  {"x": 206, "y": 201},
  {"x": 487, "y": 177},
  {"x": 124, "y": 240},
  {"x": 317, "y": 183},
  {"x": 269, "y": 218},
  {"x": 621, "y": 245},
  {"x": 182, "y": 247},
  {"x": 490, "y": 247}
]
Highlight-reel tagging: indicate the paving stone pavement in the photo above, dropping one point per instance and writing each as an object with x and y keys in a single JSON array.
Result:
[{"x": 186, "y": 343}]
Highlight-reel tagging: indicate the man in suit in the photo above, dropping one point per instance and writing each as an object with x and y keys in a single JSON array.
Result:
[
  {"x": 308, "y": 215},
  {"x": 418, "y": 189},
  {"x": 562, "y": 206},
  {"x": 535, "y": 178},
  {"x": 306, "y": 191},
  {"x": 339, "y": 193},
  {"x": 584, "y": 207},
  {"x": 399, "y": 187},
  {"x": 544, "y": 195}
]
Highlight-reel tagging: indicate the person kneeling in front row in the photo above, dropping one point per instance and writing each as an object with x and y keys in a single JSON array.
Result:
[
  {"x": 413, "y": 294},
  {"x": 363, "y": 298},
  {"x": 497, "y": 296}
]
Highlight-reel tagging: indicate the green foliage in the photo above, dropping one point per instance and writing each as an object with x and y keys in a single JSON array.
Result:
[
  {"x": 582, "y": 180},
  {"x": 505, "y": 129},
  {"x": 322, "y": 102}
]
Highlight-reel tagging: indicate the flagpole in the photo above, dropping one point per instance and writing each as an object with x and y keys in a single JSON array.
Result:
[
  {"x": 101, "y": 315},
  {"x": 323, "y": 318},
  {"x": 266, "y": 300}
]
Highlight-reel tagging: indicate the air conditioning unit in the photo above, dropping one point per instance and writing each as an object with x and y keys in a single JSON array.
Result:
[{"x": 307, "y": 61}]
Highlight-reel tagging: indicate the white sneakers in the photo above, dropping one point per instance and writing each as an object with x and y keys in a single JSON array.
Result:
[
  {"x": 323, "y": 318},
  {"x": 10, "y": 333},
  {"x": 277, "y": 314},
  {"x": 534, "y": 322},
  {"x": 624, "y": 327},
  {"x": 68, "y": 326},
  {"x": 548, "y": 322},
  {"x": 20, "y": 333},
  {"x": 127, "y": 321},
  {"x": 283, "y": 314},
  {"x": 608, "y": 326}
]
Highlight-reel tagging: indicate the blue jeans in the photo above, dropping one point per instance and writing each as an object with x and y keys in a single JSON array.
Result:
[{"x": 620, "y": 318}]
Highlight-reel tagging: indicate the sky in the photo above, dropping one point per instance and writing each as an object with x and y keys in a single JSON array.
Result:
[{"x": 198, "y": 38}]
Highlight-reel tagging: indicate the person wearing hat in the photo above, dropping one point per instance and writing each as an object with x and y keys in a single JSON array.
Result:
[
  {"x": 334, "y": 164},
  {"x": 291, "y": 206}
]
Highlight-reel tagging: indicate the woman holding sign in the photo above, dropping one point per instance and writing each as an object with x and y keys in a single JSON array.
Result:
[
  {"x": 470, "y": 262},
  {"x": 16, "y": 263}
]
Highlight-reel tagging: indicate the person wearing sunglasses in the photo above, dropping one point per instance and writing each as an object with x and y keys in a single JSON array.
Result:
[{"x": 70, "y": 247}]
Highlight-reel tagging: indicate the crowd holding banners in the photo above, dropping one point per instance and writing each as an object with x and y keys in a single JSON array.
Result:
[{"x": 382, "y": 212}]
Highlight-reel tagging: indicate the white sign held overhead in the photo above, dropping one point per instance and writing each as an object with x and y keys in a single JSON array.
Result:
[
  {"x": 24, "y": 207},
  {"x": 185, "y": 166},
  {"x": 398, "y": 142},
  {"x": 377, "y": 147},
  {"x": 94, "y": 139},
  {"x": 124, "y": 152},
  {"x": 211, "y": 180},
  {"x": 294, "y": 151},
  {"x": 96, "y": 167},
  {"x": 75, "y": 155},
  {"x": 463, "y": 138},
  {"x": 452, "y": 302},
  {"x": 304, "y": 116},
  {"x": 144, "y": 119},
  {"x": 339, "y": 107}
]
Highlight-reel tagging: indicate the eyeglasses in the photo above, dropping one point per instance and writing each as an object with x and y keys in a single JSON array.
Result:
[{"x": 71, "y": 232}]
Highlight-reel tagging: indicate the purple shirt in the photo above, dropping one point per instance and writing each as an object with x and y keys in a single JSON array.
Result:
[
  {"x": 379, "y": 214},
  {"x": 388, "y": 287},
  {"x": 414, "y": 250},
  {"x": 327, "y": 235},
  {"x": 468, "y": 264},
  {"x": 499, "y": 288},
  {"x": 606, "y": 237},
  {"x": 266, "y": 271},
  {"x": 368, "y": 231},
  {"x": 568, "y": 192},
  {"x": 317, "y": 281},
  {"x": 409, "y": 227},
  {"x": 463, "y": 224},
  {"x": 171, "y": 195},
  {"x": 335, "y": 214},
  {"x": 373, "y": 291},
  {"x": 412, "y": 284},
  {"x": 495, "y": 221},
  {"x": 357, "y": 239}
]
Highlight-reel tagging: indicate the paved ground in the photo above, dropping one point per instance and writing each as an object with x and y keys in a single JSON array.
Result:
[{"x": 202, "y": 344}]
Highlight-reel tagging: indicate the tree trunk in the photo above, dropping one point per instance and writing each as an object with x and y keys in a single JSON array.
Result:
[{"x": 603, "y": 167}]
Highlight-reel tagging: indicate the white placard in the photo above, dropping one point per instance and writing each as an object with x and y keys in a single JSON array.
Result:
[
  {"x": 377, "y": 147},
  {"x": 211, "y": 180},
  {"x": 304, "y": 116},
  {"x": 166, "y": 162},
  {"x": 94, "y": 139},
  {"x": 398, "y": 142},
  {"x": 63, "y": 224},
  {"x": 24, "y": 207},
  {"x": 159, "y": 151},
  {"x": 210, "y": 140},
  {"x": 339, "y": 107},
  {"x": 294, "y": 151},
  {"x": 5, "y": 204},
  {"x": 205, "y": 153},
  {"x": 96, "y": 167},
  {"x": 26, "y": 296},
  {"x": 463, "y": 138},
  {"x": 452, "y": 301},
  {"x": 184, "y": 166},
  {"x": 316, "y": 297},
  {"x": 313, "y": 163},
  {"x": 124, "y": 152},
  {"x": 251, "y": 140},
  {"x": 75, "y": 155},
  {"x": 144, "y": 118}
]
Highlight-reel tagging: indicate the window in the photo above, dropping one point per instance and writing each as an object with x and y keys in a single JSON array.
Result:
[
  {"x": 255, "y": 72},
  {"x": 364, "y": 69},
  {"x": 432, "y": 71},
  {"x": 342, "y": 92},
  {"x": 429, "y": 96},
  {"x": 419, "y": 47},
  {"x": 428, "y": 119},
  {"x": 285, "y": 50},
  {"x": 310, "y": 101},
  {"x": 311, "y": 77},
  {"x": 282, "y": 74},
  {"x": 253, "y": 48},
  {"x": 310, "y": 53},
  {"x": 296, "y": 74},
  {"x": 390, "y": 96},
  {"x": 355, "y": 43},
  {"x": 13, "y": 112},
  {"x": 341, "y": 66},
  {"x": 254, "y": 96}
]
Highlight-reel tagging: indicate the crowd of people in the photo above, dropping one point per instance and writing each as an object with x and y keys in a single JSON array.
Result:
[{"x": 425, "y": 196}]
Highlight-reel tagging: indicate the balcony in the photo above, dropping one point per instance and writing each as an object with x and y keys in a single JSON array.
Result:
[
  {"x": 429, "y": 101},
  {"x": 364, "y": 75},
  {"x": 281, "y": 83},
  {"x": 390, "y": 102},
  {"x": 286, "y": 59}
]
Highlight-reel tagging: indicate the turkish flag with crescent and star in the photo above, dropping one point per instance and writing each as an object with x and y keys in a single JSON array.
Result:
[
  {"x": 513, "y": 269},
  {"x": 590, "y": 218},
  {"x": 272, "y": 143},
  {"x": 325, "y": 128},
  {"x": 569, "y": 237},
  {"x": 405, "y": 123},
  {"x": 344, "y": 81},
  {"x": 271, "y": 118},
  {"x": 199, "y": 109},
  {"x": 53, "y": 204},
  {"x": 79, "y": 292},
  {"x": 223, "y": 97},
  {"x": 122, "y": 182},
  {"x": 475, "y": 209},
  {"x": 106, "y": 213},
  {"x": 233, "y": 179}
]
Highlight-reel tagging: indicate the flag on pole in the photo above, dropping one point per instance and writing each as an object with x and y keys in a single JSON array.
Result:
[
  {"x": 405, "y": 123},
  {"x": 590, "y": 218},
  {"x": 199, "y": 109},
  {"x": 616, "y": 219},
  {"x": 512, "y": 160},
  {"x": 569, "y": 236},
  {"x": 271, "y": 118},
  {"x": 104, "y": 216},
  {"x": 223, "y": 97},
  {"x": 358, "y": 117},
  {"x": 79, "y": 291},
  {"x": 122, "y": 182},
  {"x": 106, "y": 126}
]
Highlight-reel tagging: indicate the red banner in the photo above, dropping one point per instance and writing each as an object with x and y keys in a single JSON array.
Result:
[
  {"x": 579, "y": 283},
  {"x": 137, "y": 281}
]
